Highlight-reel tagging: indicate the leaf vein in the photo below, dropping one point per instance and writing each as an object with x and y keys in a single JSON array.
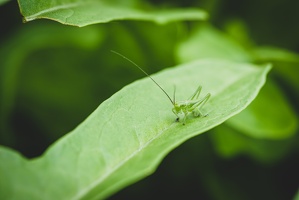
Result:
[
  {"x": 101, "y": 179},
  {"x": 52, "y": 9}
]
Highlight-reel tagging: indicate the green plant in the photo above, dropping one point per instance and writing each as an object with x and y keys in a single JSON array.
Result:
[{"x": 53, "y": 76}]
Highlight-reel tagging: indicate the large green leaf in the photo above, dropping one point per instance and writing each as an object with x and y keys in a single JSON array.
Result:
[
  {"x": 85, "y": 12},
  {"x": 126, "y": 137}
]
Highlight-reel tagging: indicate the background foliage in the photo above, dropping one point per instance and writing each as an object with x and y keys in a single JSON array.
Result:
[{"x": 245, "y": 158}]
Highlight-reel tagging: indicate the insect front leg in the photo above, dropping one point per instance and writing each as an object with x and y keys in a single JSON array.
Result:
[
  {"x": 176, "y": 114},
  {"x": 184, "y": 118},
  {"x": 196, "y": 107},
  {"x": 179, "y": 112}
]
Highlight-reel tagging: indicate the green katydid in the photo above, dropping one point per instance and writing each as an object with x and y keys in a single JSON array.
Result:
[{"x": 192, "y": 105}]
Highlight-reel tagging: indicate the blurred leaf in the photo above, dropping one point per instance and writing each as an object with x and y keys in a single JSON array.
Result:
[
  {"x": 275, "y": 54},
  {"x": 297, "y": 196},
  {"x": 150, "y": 47},
  {"x": 32, "y": 42},
  {"x": 259, "y": 120},
  {"x": 3, "y": 2},
  {"x": 123, "y": 140},
  {"x": 207, "y": 42},
  {"x": 286, "y": 63},
  {"x": 238, "y": 30},
  {"x": 82, "y": 12},
  {"x": 230, "y": 143},
  {"x": 268, "y": 116}
]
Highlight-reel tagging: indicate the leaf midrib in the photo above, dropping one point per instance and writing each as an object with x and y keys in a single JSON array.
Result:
[{"x": 83, "y": 192}]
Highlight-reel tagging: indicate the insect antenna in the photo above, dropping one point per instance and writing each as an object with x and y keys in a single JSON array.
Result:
[
  {"x": 174, "y": 89},
  {"x": 172, "y": 101}
]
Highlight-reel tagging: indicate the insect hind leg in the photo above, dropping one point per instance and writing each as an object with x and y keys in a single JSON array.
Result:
[
  {"x": 196, "y": 108},
  {"x": 196, "y": 93}
]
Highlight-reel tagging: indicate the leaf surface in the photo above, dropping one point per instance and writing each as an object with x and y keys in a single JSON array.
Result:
[
  {"x": 82, "y": 12},
  {"x": 128, "y": 135}
]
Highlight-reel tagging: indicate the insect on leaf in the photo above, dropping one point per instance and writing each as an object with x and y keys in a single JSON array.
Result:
[{"x": 129, "y": 134}]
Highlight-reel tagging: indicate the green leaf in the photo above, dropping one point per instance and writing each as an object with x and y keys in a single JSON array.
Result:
[
  {"x": 259, "y": 120},
  {"x": 127, "y": 136},
  {"x": 230, "y": 143},
  {"x": 268, "y": 116},
  {"x": 81, "y": 12},
  {"x": 238, "y": 30},
  {"x": 16, "y": 76},
  {"x": 296, "y": 197},
  {"x": 208, "y": 42},
  {"x": 286, "y": 63},
  {"x": 3, "y": 2},
  {"x": 275, "y": 54}
]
